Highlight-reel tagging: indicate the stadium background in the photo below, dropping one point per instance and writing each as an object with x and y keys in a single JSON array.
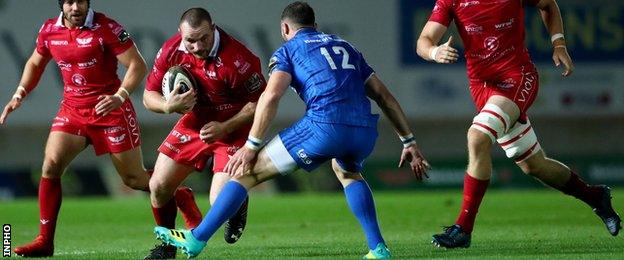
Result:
[{"x": 580, "y": 119}]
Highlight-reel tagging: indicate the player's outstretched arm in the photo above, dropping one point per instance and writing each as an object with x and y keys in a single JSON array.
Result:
[
  {"x": 551, "y": 16},
  {"x": 136, "y": 70},
  {"x": 243, "y": 161},
  {"x": 427, "y": 44},
  {"x": 377, "y": 91},
  {"x": 34, "y": 68}
]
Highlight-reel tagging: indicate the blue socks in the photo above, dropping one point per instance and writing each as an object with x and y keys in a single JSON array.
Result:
[
  {"x": 227, "y": 203},
  {"x": 360, "y": 200}
]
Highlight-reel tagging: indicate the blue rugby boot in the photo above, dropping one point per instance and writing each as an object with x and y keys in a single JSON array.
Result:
[{"x": 182, "y": 239}]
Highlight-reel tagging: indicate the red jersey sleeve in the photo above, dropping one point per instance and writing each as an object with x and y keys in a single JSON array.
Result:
[
  {"x": 42, "y": 43},
  {"x": 247, "y": 80},
  {"x": 442, "y": 12},
  {"x": 115, "y": 37},
  {"x": 154, "y": 79}
]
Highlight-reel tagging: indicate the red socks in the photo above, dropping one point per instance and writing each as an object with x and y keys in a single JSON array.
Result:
[
  {"x": 50, "y": 197},
  {"x": 474, "y": 190},
  {"x": 579, "y": 189},
  {"x": 166, "y": 215}
]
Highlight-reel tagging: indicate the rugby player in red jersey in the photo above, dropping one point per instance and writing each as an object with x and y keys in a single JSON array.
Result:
[
  {"x": 503, "y": 85},
  {"x": 217, "y": 114},
  {"x": 95, "y": 109}
]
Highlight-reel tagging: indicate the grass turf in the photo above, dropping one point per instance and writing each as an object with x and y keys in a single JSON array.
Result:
[{"x": 528, "y": 224}]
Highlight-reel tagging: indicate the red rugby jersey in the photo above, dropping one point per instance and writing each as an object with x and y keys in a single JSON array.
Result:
[
  {"x": 492, "y": 32},
  {"x": 86, "y": 56},
  {"x": 227, "y": 81}
]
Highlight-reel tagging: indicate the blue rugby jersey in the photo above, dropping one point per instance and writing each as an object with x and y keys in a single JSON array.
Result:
[{"x": 328, "y": 73}]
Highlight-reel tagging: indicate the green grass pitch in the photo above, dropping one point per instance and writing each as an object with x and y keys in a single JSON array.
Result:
[{"x": 529, "y": 224}]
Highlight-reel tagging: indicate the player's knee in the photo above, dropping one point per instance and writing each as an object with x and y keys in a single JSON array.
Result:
[
  {"x": 478, "y": 141},
  {"x": 52, "y": 167},
  {"x": 135, "y": 182},
  {"x": 157, "y": 187},
  {"x": 491, "y": 122}
]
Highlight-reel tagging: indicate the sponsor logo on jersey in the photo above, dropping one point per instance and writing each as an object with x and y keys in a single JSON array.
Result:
[
  {"x": 79, "y": 80},
  {"x": 253, "y": 83},
  {"x": 133, "y": 124},
  {"x": 114, "y": 129},
  {"x": 88, "y": 64},
  {"x": 63, "y": 65},
  {"x": 469, "y": 3},
  {"x": 84, "y": 42},
  {"x": 506, "y": 84},
  {"x": 183, "y": 138},
  {"x": 527, "y": 87},
  {"x": 211, "y": 74},
  {"x": 58, "y": 43},
  {"x": 472, "y": 29},
  {"x": 117, "y": 140},
  {"x": 304, "y": 157},
  {"x": 505, "y": 25},
  {"x": 491, "y": 43},
  {"x": 241, "y": 64},
  {"x": 171, "y": 147}
]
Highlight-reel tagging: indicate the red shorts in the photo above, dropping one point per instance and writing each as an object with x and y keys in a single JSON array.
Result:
[
  {"x": 114, "y": 133},
  {"x": 520, "y": 85},
  {"x": 184, "y": 146}
]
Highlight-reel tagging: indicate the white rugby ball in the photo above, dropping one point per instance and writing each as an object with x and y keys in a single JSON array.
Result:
[{"x": 174, "y": 76}]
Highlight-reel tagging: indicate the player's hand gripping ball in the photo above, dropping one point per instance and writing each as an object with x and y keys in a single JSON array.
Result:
[{"x": 174, "y": 76}]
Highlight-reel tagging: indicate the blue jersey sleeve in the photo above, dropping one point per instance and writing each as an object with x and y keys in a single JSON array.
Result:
[
  {"x": 365, "y": 70},
  {"x": 280, "y": 61}
]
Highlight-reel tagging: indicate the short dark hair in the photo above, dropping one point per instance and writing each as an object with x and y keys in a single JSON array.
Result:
[
  {"x": 61, "y": 2},
  {"x": 195, "y": 16},
  {"x": 300, "y": 13}
]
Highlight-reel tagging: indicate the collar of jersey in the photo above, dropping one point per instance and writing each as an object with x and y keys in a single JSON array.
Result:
[
  {"x": 215, "y": 44},
  {"x": 306, "y": 30},
  {"x": 88, "y": 21}
]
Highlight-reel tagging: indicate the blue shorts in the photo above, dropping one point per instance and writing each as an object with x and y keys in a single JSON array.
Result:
[{"x": 308, "y": 144}]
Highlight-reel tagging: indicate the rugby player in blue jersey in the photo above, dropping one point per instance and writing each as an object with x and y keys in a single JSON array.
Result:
[{"x": 335, "y": 82}]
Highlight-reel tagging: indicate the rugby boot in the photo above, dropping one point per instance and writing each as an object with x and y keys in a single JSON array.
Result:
[
  {"x": 188, "y": 207},
  {"x": 162, "y": 251},
  {"x": 452, "y": 237},
  {"x": 604, "y": 210},
  {"x": 39, "y": 247},
  {"x": 233, "y": 229},
  {"x": 182, "y": 239},
  {"x": 381, "y": 251}
]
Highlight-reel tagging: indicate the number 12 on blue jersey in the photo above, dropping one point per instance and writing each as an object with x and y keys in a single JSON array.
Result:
[{"x": 337, "y": 50}]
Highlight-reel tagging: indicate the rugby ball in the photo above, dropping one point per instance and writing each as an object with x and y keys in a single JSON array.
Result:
[{"x": 174, "y": 76}]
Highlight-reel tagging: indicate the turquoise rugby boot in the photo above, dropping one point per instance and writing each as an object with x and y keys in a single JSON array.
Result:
[
  {"x": 380, "y": 252},
  {"x": 180, "y": 238}
]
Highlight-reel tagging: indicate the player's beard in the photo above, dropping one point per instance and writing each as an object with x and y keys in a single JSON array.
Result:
[{"x": 76, "y": 19}]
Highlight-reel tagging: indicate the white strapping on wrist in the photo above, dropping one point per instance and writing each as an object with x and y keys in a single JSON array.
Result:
[
  {"x": 253, "y": 143},
  {"x": 120, "y": 97},
  {"x": 433, "y": 52},
  {"x": 556, "y": 36},
  {"x": 22, "y": 88},
  {"x": 125, "y": 90},
  {"x": 407, "y": 140}
]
